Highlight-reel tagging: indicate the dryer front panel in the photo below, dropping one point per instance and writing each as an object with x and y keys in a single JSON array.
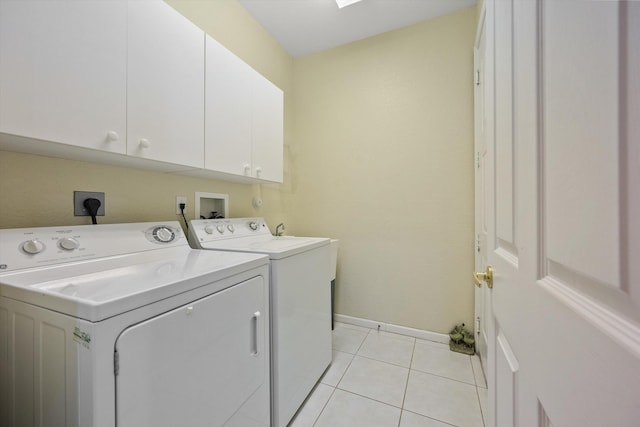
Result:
[{"x": 205, "y": 363}]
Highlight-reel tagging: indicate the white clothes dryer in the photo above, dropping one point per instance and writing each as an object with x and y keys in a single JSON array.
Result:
[
  {"x": 300, "y": 303},
  {"x": 126, "y": 325}
]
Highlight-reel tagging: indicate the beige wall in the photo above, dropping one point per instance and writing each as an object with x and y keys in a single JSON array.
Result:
[
  {"x": 38, "y": 191},
  {"x": 383, "y": 160},
  {"x": 380, "y": 156}
]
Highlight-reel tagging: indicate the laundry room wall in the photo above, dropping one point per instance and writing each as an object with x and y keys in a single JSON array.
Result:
[
  {"x": 38, "y": 191},
  {"x": 380, "y": 156},
  {"x": 383, "y": 161}
]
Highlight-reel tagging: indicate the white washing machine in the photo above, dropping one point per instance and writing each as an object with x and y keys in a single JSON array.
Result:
[
  {"x": 300, "y": 303},
  {"x": 126, "y": 325}
]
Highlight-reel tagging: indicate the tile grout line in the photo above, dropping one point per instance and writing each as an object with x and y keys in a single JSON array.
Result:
[
  {"x": 369, "y": 398},
  {"x": 475, "y": 378},
  {"x": 430, "y": 418},
  {"x": 367, "y": 333},
  {"x": 345, "y": 371},
  {"x": 323, "y": 407},
  {"x": 336, "y": 386},
  {"x": 480, "y": 405},
  {"x": 445, "y": 377},
  {"x": 338, "y": 383},
  {"x": 406, "y": 385},
  {"x": 383, "y": 361},
  {"x": 473, "y": 369}
]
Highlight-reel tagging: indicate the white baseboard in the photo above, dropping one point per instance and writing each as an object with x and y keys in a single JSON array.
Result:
[{"x": 396, "y": 329}]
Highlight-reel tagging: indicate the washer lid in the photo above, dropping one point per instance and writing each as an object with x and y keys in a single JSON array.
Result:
[
  {"x": 98, "y": 289},
  {"x": 248, "y": 235},
  {"x": 275, "y": 247}
]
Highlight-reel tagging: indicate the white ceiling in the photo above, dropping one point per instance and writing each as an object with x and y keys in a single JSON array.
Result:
[{"x": 307, "y": 26}]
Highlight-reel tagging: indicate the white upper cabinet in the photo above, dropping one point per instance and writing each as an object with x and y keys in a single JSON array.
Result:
[
  {"x": 244, "y": 118},
  {"x": 63, "y": 72},
  {"x": 165, "y": 85},
  {"x": 228, "y": 111},
  {"x": 267, "y": 130},
  {"x": 126, "y": 79}
]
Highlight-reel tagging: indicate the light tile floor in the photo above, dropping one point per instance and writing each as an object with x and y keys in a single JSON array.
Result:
[{"x": 380, "y": 379}]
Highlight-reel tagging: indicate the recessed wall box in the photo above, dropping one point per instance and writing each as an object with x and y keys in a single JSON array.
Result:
[{"x": 211, "y": 205}]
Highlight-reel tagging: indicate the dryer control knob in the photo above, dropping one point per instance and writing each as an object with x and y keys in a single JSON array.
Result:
[
  {"x": 209, "y": 229},
  {"x": 220, "y": 228},
  {"x": 69, "y": 243},
  {"x": 230, "y": 228},
  {"x": 253, "y": 225},
  {"x": 33, "y": 246},
  {"x": 164, "y": 234}
]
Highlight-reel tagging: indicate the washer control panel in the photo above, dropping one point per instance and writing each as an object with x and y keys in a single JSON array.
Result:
[
  {"x": 206, "y": 230},
  {"x": 33, "y": 247}
]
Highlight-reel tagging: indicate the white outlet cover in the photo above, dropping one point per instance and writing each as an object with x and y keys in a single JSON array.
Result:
[{"x": 179, "y": 200}]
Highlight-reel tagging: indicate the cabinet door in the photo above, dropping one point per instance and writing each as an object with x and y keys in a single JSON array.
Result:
[
  {"x": 165, "y": 99},
  {"x": 63, "y": 72},
  {"x": 198, "y": 365},
  {"x": 267, "y": 128},
  {"x": 228, "y": 111}
]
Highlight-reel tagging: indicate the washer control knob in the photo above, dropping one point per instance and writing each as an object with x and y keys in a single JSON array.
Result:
[
  {"x": 209, "y": 229},
  {"x": 163, "y": 234},
  {"x": 33, "y": 246},
  {"x": 69, "y": 243},
  {"x": 230, "y": 228},
  {"x": 253, "y": 225},
  {"x": 220, "y": 228}
]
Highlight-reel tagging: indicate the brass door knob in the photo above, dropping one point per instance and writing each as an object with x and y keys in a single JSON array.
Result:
[{"x": 487, "y": 276}]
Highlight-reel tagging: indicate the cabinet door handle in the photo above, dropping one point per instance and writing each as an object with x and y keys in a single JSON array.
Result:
[
  {"x": 258, "y": 171},
  {"x": 254, "y": 333},
  {"x": 247, "y": 169},
  {"x": 112, "y": 136},
  {"x": 145, "y": 143}
]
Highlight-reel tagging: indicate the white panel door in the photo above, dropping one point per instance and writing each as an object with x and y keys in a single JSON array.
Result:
[
  {"x": 228, "y": 111},
  {"x": 565, "y": 237},
  {"x": 165, "y": 92},
  {"x": 63, "y": 72},
  {"x": 495, "y": 198},
  {"x": 483, "y": 107},
  {"x": 203, "y": 364}
]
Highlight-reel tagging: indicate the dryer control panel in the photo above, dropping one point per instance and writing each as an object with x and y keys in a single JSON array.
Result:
[{"x": 33, "y": 247}]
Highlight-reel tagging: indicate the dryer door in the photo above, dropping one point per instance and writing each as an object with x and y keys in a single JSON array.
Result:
[{"x": 205, "y": 363}]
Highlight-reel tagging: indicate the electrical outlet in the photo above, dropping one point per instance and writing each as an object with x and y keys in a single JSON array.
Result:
[
  {"x": 179, "y": 201},
  {"x": 78, "y": 202}
]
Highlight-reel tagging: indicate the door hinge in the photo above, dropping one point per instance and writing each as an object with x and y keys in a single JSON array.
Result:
[
  {"x": 116, "y": 363},
  {"x": 478, "y": 243},
  {"x": 477, "y": 78},
  {"x": 478, "y": 159}
]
